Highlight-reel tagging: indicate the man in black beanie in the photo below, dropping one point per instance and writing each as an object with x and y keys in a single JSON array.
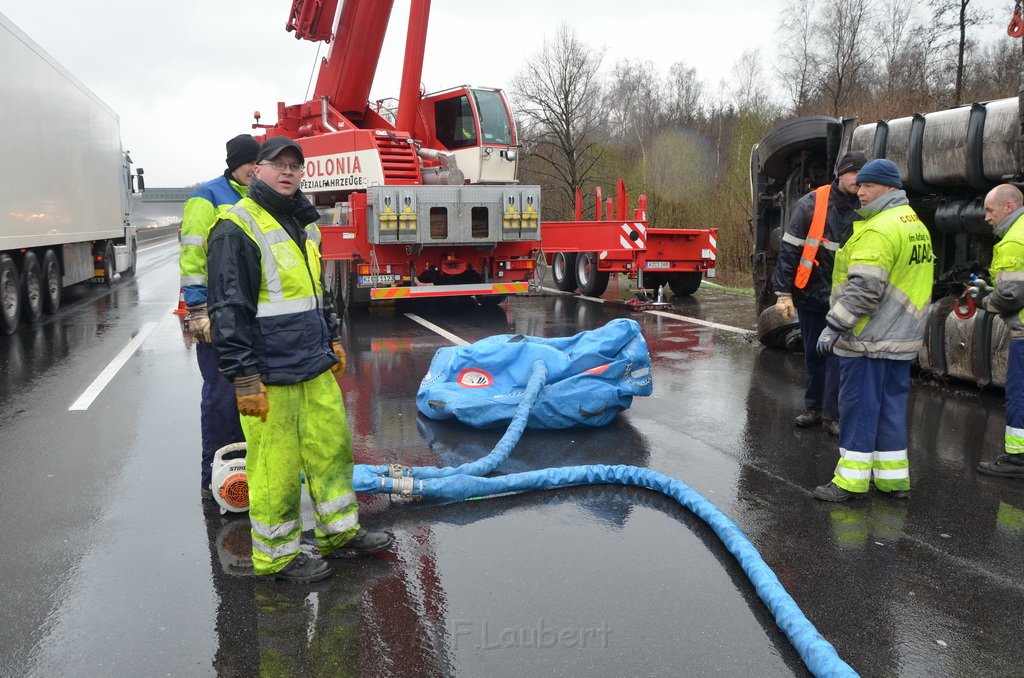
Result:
[
  {"x": 803, "y": 282},
  {"x": 218, "y": 413}
]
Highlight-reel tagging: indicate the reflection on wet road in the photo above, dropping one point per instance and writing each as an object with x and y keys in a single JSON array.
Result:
[{"x": 115, "y": 564}]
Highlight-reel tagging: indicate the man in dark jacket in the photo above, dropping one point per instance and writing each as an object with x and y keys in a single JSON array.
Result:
[
  {"x": 218, "y": 414},
  {"x": 807, "y": 293},
  {"x": 275, "y": 332}
]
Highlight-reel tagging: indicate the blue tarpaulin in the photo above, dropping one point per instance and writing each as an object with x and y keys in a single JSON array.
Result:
[{"x": 591, "y": 377}]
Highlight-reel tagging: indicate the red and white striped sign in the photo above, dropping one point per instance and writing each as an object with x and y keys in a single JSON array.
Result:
[
  {"x": 712, "y": 251},
  {"x": 627, "y": 242}
]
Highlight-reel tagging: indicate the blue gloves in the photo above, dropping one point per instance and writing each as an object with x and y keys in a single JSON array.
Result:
[{"x": 827, "y": 341}]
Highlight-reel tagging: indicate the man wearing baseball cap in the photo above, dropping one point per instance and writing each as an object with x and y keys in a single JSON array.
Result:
[
  {"x": 881, "y": 289},
  {"x": 218, "y": 415},
  {"x": 803, "y": 282},
  {"x": 276, "y": 335}
]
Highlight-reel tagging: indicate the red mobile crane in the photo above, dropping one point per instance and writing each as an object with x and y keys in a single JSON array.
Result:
[
  {"x": 423, "y": 201},
  {"x": 417, "y": 202}
]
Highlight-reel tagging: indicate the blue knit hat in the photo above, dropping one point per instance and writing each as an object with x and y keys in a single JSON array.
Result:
[{"x": 880, "y": 171}]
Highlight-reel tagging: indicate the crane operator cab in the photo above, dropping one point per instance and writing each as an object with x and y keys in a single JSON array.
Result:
[{"x": 475, "y": 123}]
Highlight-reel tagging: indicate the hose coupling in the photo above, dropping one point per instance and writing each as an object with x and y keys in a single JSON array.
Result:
[
  {"x": 405, "y": 487},
  {"x": 398, "y": 470}
]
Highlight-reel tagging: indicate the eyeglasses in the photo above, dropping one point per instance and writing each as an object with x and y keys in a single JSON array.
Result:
[{"x": 281, "y": 166}]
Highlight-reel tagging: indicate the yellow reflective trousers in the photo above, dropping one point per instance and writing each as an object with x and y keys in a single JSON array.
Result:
[{"x": 306, "y": 431}]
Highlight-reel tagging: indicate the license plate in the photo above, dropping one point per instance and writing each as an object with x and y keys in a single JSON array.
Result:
[
  {"x": 383, "y": 279},
  {"x": 657, "y": 264}
]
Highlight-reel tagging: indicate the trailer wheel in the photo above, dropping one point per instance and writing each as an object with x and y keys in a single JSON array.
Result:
[
  {"x": 53, "y": 286},
  {"x": 108, "y": 265},
  {"x": 684, "y": 284},
  {"x": 10, "y": 295},
  {"x": 592, "y": 282},
  {"x": 31, "y": 287},
  {"x": 654, "y": 281},
  {"x": 563, "y": 270}
]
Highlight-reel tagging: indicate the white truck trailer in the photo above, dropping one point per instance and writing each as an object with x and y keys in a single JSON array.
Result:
[{"x": 65, "y": 184}]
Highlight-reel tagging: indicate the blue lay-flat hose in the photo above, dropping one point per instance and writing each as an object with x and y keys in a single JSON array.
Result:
[
  {"x": 466, "y": 482},
  {"x": 816, "y": 652},
  {"x": 497, "y": 456}
]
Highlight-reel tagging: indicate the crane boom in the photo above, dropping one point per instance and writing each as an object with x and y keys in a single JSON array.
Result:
[
  {"x": 347, "y": 72},
  {"x": 312, "y": 19}
]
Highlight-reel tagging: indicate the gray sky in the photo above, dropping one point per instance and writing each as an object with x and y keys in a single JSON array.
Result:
[{"x": 185, "y": 76}]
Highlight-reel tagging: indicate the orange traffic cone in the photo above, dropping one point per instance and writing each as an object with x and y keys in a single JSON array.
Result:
[{"x": 182, "y": 309}]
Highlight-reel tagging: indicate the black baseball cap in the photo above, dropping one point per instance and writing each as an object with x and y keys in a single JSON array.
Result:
[{"x": 273, "y": 146}]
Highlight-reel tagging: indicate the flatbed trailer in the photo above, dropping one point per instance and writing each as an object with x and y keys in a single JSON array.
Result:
[{"x": 584, "y": 254}]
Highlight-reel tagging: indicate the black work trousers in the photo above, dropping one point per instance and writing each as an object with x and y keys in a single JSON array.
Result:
[{"x": 822, "y": 372}]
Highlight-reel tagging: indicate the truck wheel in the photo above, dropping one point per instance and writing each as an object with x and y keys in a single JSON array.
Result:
[
  {"x": 53, "y": 286},
  {"x": 108, "y": 265},
  {"x": 348, "y": 295},
  {"x": 684, "y": 284},
  {"x": 31, "y": 287},
  {"x": 10, "y": 295},
  {"x": 130, "y": 271},
  {"x": 563, "y": 270},
  {"x": 592, "y": 282}
]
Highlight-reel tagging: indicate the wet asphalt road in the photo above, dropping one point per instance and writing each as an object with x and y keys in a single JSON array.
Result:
[{"x": 113, "y": 568}]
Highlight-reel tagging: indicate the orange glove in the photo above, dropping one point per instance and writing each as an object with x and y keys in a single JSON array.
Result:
[
  {"x": 251, "y": 396},
  {"x": 339, "y": 369}
]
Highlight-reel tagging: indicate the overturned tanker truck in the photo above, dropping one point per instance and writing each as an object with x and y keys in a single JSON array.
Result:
[{"x": 948, "y": 161}]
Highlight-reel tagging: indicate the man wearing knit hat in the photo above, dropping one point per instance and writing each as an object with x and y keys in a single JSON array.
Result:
[
  {"x": 881, "y": 289},
  {"x": 218, "y": 413},
  {"x": 803, "y": 282}
]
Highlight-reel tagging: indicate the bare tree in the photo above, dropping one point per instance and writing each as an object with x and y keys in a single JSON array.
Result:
[
  {"x": 633, "y": 102},
  {"x": 845, "y": 53},
  {"x": 992, "y": 74},
  {"x": 559, "y": 94},
  {"x": 906, "y": 56},
  {"x": 684, "y": 96},
  {"x": 798, "y": 66},
  {"x": 953, "y": 18},
  {"x": 750, "y": 92}
]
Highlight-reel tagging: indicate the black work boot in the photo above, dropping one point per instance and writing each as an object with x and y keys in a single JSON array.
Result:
[
  {"x": 808, "y": 418},
  {"x": 830, "y": 427},
  {"x": 304, "y": 570},
  {"x": 364, "y": 543},
  {"x": 832, "y": 492},
  {"x": 1004, "y": 466}
]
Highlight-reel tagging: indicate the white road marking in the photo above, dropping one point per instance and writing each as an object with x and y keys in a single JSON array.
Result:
[
  {"x": 434, "y": 328},
  {"x": 157, "y": 245},
  {"x": 698, "y": 321},
  {"x": 665, "y": 314},
  {"x": 100, "y": 382}
]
